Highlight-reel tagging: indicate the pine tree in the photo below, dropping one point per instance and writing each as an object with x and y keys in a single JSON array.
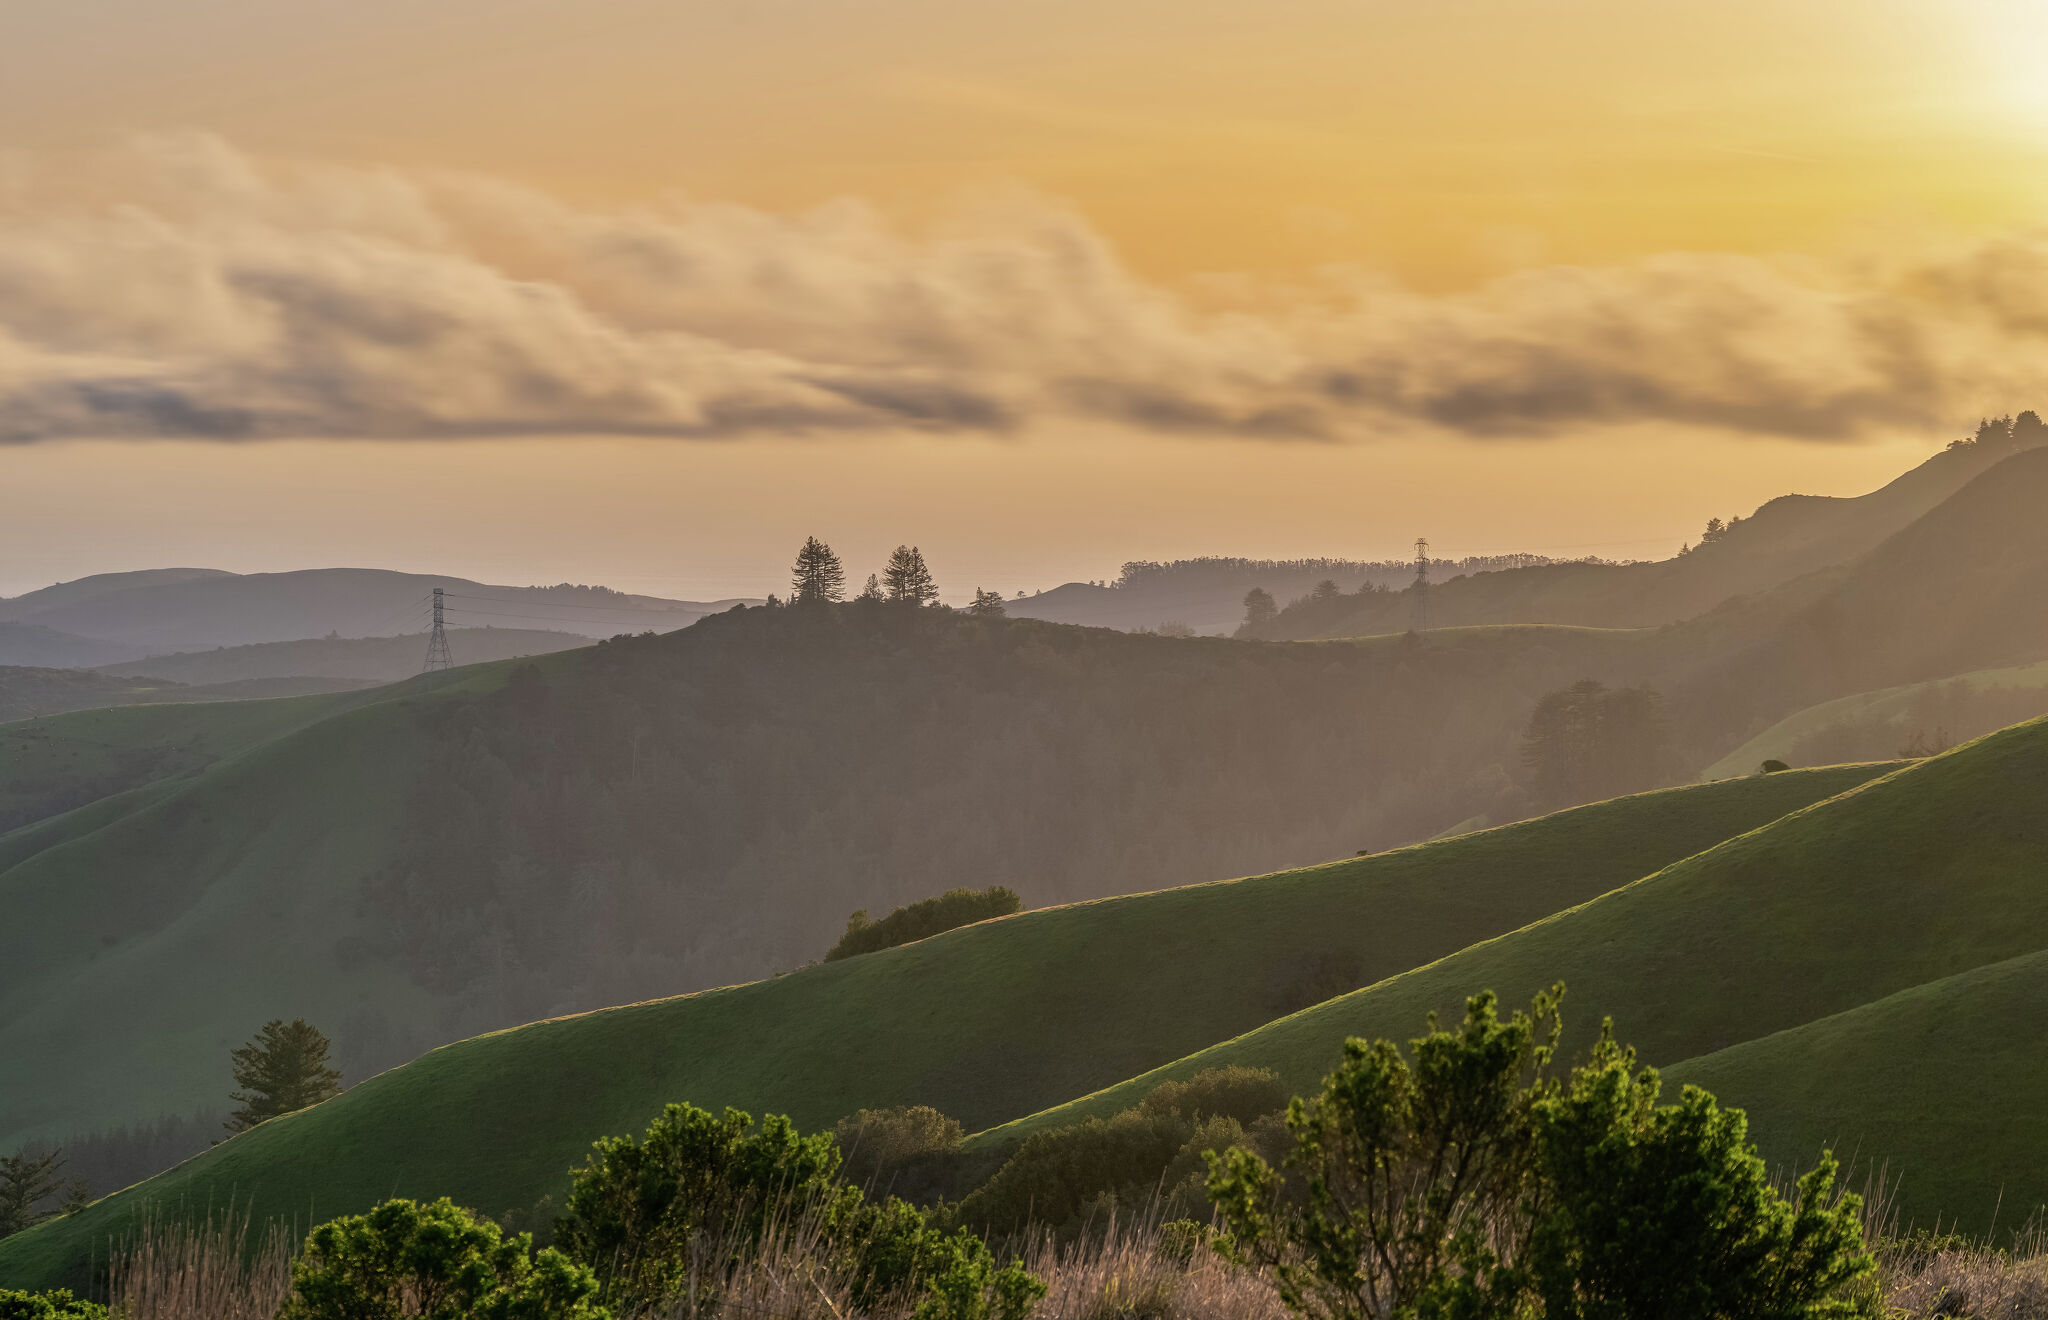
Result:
[
  {"x": 817, "y": 577},
  {"x": 988, "y": 603},
  {"x": 27, "y": 1183},
  {"x": 282, "y": 1070},
  {"x": 907, "y": 579},
  {"x": 873, "y": 590}
]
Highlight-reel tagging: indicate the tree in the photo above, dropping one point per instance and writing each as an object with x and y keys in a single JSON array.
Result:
[
  {"x": 2029, "y": 431},
  {"x": 28, "y": 1186},
  {"x": 907, "y": 580},
  {"x": 1472, "y": 1183},
  {"x": 282, "y": 1070},
  {"x": 1585, "y": 742},
  {"x": 873, "y": 590},
  {"x": 437, "y": 1262},
  {"x": 1327, "y": 589},
  {"x": 987, "y": 603},
  {"x": 1259, "y": 609},
  {"x": 817, "y": 577}
]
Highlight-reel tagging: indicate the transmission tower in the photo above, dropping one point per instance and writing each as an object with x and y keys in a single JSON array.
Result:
[
  {"x": 437, "y": 642},
  {"x": 1419, "y": 620}
]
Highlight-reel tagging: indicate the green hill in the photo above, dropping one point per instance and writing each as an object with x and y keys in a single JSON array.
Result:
[
  {"x": 987, "y": 1023},
  {"x": 415, "y": 864},
  {"x": 1944, "y": 1086},
  {"x": 1922, "y": 874}
]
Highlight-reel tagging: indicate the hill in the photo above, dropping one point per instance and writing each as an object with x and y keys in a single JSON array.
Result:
[
  {"x": 1785, "y": 539},
  {"x": 32, "y": 645},
  {"x": 189, "y": 610},
  {"x": 371, "y": 659},
  {"x": 986, "y": 1022},
  {"x": 31, "y": 693},
  {"x": 1924, "y": 874},
  {"x": 1934, "y": 715},
  {"x": 656, "y": 814}
]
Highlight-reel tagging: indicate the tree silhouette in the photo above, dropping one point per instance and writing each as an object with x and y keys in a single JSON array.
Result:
[
  {"x": 817, "y": 578},
  {"x": 282, "y": 1070},
  {"x": 27, "y": 1184},
  {"x": 1259, "y": 608},
  {"x": 987, "y": 603},
  {"x": 907, "y": 580},
  {"x": 873, "y": 590}
]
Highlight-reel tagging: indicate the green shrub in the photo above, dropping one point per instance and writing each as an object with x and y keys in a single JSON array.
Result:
[
  {"x": 876, "y": 1143},
  {"x": 436, "y": 1262},
  {"x": 920, "y": 920},
  {"x": 643, "y": 1214},
  {"x": 1472, "y": 1183},
  {"x": 58, "y": 1305},
  {"x": 968, "y": 1285},
  {"x": 1245, "y": 1094}
]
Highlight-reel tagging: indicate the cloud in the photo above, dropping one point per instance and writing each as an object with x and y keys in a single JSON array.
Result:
[{"x": 189, "y": 290}]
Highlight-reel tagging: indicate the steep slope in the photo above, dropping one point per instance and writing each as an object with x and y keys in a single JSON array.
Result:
[
  {"x": 378, "y": 659},
  {"x": 1927, "y": 872},
  {"x": 1785, "y": 539},
  {"x": 172, "y": 612},
  {"x": 985, "y": 1022}
]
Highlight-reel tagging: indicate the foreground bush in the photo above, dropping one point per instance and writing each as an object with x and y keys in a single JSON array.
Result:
[
  {"x": 1473, "y": 1183},
  {"x": 923, "y": 919},
  {"x": 435, "y": 1262},
  {"x": 59, "y": 1305}
]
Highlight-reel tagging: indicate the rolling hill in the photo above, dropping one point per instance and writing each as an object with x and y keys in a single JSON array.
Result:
[
  {"x": 168, "y": 610},
  {"x": 1783, "y": 540},
  {"x": 1895, "y": 887},
  {"x": 364, "y": 659},
  {"x": 34, "y": 646},
  {"x": 987, "y": 1022}
]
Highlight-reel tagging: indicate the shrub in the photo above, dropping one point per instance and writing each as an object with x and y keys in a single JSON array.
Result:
[
  {"x": 1772, "y": 767},
  {"x": 437, "y": 1262},
  {"x": 1472, "y": 1183},
  {"x": 923, "y": 919},
  {"x": 967, "y": 1285},
  {"x": 643, "y": 1214},
  {"x": 877, "y": 1142},
  {"x": 1245, "y": 1094},
  {"x": 59, "y": 1305}
]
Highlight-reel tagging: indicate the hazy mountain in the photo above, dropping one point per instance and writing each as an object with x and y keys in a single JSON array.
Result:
[
  {"x": 380, "y": 659},
  {"x": 1787, "y": 538},
  {"x": 35, "y": 645},
  {"x": 195, "y": 609}
]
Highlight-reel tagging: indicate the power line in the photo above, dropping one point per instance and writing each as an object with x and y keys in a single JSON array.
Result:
[{"x": 437, "y": 643}]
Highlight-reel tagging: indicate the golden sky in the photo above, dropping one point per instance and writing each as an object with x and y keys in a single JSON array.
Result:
[{"x": 1562, "y": 231}]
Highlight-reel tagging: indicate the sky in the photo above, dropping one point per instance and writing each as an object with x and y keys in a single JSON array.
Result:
[{"x": 643, "y": 292}]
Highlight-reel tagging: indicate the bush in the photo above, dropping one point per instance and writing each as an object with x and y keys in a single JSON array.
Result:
[
  {"x": 876, "y": 1143},
  {"x": 1070, "y": 1176},
  {"x": 643, "y": 1214},
  {"x": 437, "y": 1262},
  {"x": 58, "y": 1305},
  {"x": 923, "y": 919},
  {"x": 1473, "y": 1183},
  {"x": 967, "y": 1285},
  {"x": 1245, "y": 1094},
  {"x": 1772, "y": 767}
]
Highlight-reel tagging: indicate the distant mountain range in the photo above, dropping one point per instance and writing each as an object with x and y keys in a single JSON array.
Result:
[{"x": 116, "y": 617}]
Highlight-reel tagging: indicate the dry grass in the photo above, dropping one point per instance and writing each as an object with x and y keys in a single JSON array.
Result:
[
  {"x": 219, "y": 1270},
  {"x": 226, "y": 1270}
]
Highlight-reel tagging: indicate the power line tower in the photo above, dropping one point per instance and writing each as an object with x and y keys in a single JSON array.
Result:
[
  {"x": 437, "y": 642},
  {"x": 1419, "y": 608}
]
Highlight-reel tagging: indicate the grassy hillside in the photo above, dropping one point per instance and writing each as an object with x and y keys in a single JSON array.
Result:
[
  {"x": 987, "y": 1022},
  {"x": 1927, "y": 872},
  {"x": 382, "y": 659},
  {"x": 1944, "y": 1084},
  {"x": 1876, "y": 724},
  {"x": 34, "y": 646},
  {"x": 27, "y": 693}
]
